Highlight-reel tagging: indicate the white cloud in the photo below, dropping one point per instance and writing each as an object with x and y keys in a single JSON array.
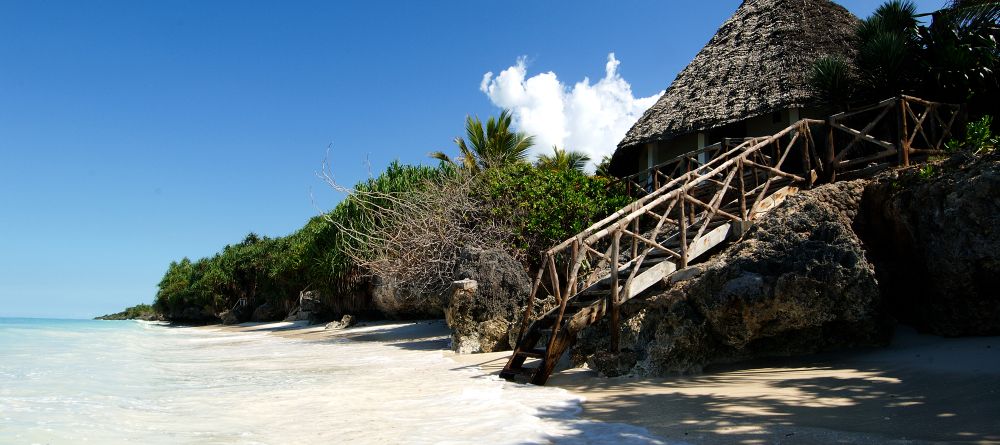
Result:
[{"x": 587, "y": 118}]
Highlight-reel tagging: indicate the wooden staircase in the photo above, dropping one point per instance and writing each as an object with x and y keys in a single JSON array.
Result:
[
  {"x": 697, "y": 201},
  {"x": 590, "y": 305},
  {"x": 620, "y": 257}
]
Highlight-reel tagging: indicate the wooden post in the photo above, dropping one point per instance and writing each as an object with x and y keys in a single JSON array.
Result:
[
  {"x": 831, "y": 154},
  {"x": 934, "y": 126},
  {"x": 635, "y": 241},
  {"x": 613, "y": 298},
  {"x": 683, "y": 222},
  {"x": 574, "y": 270},
  {"x": 531, "y": 303},
  {"x": 806, "y": 165},
  {"x": 743, "y": 193},
  {"x": 562, "y": 297},
  {"x": 904, "y": 146}
]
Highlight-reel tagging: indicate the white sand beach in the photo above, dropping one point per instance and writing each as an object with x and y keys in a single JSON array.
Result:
[{"x": 921, "y": 389}]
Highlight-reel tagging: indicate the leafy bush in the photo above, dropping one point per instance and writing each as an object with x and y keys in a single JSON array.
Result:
[
  {"x": 543, "y": 207},
  {"x": 926, "y": 172},
  {"x": 978, "y": 139}
]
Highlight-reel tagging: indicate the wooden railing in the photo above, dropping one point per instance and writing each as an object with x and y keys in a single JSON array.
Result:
[
  {"x": 733, "y": 186},
  {"x": 857, "y": 142},
  {"x": 888, "y": 133},
  {"x": 652, "y": 178}
]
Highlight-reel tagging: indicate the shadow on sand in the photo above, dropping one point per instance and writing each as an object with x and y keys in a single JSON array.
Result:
[{"x": 819, "y": 399}]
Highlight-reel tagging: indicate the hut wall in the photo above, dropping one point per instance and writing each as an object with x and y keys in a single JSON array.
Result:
[{"x": 665, "y": 150}]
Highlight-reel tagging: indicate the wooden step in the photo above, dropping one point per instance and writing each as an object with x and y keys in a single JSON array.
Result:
[
  {"x": 532, "y": 353},
  {"x": 577, "y": 303},
  {"x": 511, "y": 374}
]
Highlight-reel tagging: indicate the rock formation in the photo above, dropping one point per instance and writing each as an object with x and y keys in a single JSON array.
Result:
[
  {"x": 485, "y": 300},
  {"x": 267, "y": 312},
  {"x": 934, "y": 235},
  {"x": 345, "y": 322},
  {"x": 798, "y": 282}
]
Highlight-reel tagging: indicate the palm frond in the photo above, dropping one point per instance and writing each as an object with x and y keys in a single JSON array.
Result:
[{"x": 439, "y": 155}]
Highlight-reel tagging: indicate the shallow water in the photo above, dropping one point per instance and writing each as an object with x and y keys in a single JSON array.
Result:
[{"x": 73, "y": 381}]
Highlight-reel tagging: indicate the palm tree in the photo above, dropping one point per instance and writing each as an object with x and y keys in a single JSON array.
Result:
[
  {"x": 961, "y": 55},
  {"x": 603, "y": 168},
  {"x": 887, "y": 51},
  {"x": 953, "y": 59},
  {"x": 563, "y": 160},
  {"x": 832, "y": 81},
  {"x": 490, "y": 147}
]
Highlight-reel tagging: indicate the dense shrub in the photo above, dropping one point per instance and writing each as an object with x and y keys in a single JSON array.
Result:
[
  {"x": 979, "y": 137},
  {"x": 543, "y": 207}
]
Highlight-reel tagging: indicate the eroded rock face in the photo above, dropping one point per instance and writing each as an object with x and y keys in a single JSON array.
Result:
[
  {"x": 401, "y": 301},
  {"x": 311, "y": 307},
  {"x": 485, "y": 301},
  {"x": 799, "y": 282},
  {"x": 935, "y": 239},
  {"x": 229, "y": 318},
  {"x": 267, "y": 312}
]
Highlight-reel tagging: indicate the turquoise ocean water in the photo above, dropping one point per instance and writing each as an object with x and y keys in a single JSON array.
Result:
[{"x": 109, "y": 382}]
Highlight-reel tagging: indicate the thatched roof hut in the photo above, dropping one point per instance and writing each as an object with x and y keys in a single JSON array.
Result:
[{"x": 756, "y": 65}]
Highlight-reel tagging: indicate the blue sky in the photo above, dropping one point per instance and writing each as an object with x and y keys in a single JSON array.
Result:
[{"x": 136, "y": 133}]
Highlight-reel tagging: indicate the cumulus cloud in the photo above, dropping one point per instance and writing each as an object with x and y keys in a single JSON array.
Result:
[{"x": 590, "y": 118}]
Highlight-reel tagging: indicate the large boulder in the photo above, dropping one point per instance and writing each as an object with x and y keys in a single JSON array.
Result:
[
  {"x": 267, "y": 312},
  {"x": 486, "y": 300},
  {"x": 345, "y": 322},
  {"x": 404, "y": 301},
  {"x": 797, "y": 283},
  {"x": 934, "y": 235},
  {"x": 229, "y": 318},
  {"x": 311, "y": 308}
]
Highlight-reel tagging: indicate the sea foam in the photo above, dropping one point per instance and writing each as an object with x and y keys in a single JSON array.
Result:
[{"x": 131, "y": 382}]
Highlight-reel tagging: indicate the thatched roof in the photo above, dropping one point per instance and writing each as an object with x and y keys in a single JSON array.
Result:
[{"x": 757, "y": 62}]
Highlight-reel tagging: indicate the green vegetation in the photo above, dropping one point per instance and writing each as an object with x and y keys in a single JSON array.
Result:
[
  {"x": 979, "y": 138},
  {"x": 137, "y": 312},
  {"x": 490, "y": 147},
  {"x": 952, "y": 59},
  {"x": 546, "y": 206},
  {"x": 926, "y": 172},
  {"x": 563, "y": 160}
]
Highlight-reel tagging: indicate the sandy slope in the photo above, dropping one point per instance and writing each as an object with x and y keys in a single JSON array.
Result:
[{"x": 920, "y": 389}]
